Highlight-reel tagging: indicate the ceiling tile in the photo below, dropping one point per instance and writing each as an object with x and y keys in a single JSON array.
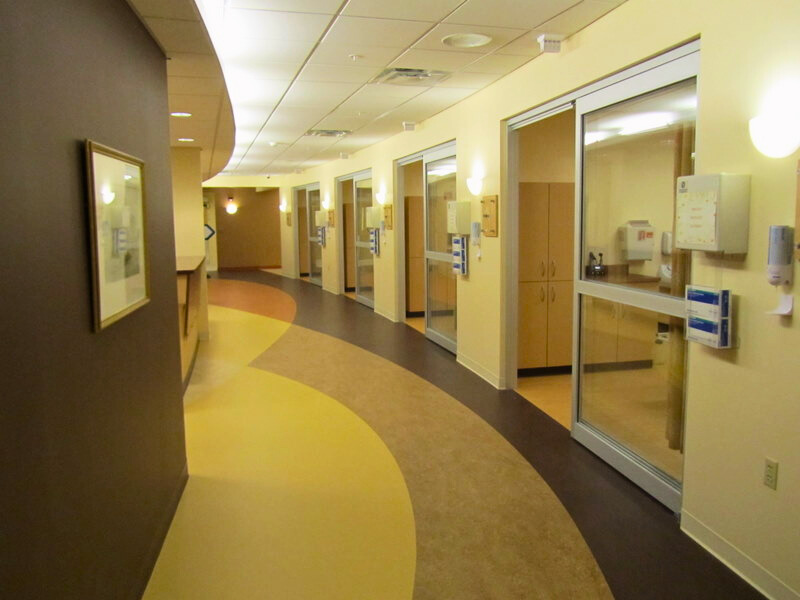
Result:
[
  {"x": 167, "y": 10},
  {"x": 267, "y": 24},
  {"x": 264, "y": 70},
  {"x": 509, "y": 13},
  {"x": 434, "y": 59},
  {"x": 340, "y": 121},
  {"x": 577, "y": 17},
  {"x": 255, "y": 92},
  {"x": 416, "y": 10},
  {"x": 497, "y": 63},
  {"x": 198, "y": 86},
  {"x": 180, "y": 36},
  {"x": 469, "y": 80},
  {"x": 247, "y": 52},
  {"x": 388, "y": 33},
  {"x": 338, "y": 73},
  {"x": 368, "y": 56},
  {"x": 287, "y": 118},
  {"x": 500, "y": 36},
  {"x": 525, "y": 45},
  {"x": 192, "y": 65},
  {"x": 307, "y": 6},
  {"x": 318, "y": 95}
]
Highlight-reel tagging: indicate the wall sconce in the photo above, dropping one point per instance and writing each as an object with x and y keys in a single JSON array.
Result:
[
  {"x": 231, "y": 208},
  {"x": 380, "y": 197},
  {"x": 775, "y": 135},
  {"x": 775, "y": 131},
  {"x": 326, "y": 203},
  {"x": 475, "y": 185},
  {"x": 283, "y": 206}
]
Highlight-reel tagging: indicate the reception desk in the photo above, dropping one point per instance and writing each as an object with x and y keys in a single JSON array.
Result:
[{"x": 192, "y": 309}]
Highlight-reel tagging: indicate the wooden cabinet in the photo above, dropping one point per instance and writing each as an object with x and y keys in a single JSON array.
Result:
[
  {"x": 546, "y": 212},
  {"x": 616, "y": 333}
]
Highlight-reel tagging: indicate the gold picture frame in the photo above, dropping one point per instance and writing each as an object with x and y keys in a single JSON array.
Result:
[{"x": 117, "y": 233}]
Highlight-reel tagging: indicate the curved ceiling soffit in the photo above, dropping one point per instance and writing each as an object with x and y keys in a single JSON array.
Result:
[{"x": 195, "y": 82}]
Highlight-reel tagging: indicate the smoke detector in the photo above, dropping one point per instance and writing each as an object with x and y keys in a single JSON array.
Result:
[
  {"x": 409, "y": 125},
  {"x": 328, "y": 132},
  {"x": 550, "y": 42},
  {"x": 405, "y": 76}
]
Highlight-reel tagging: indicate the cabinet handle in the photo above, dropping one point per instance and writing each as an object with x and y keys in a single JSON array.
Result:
[
  {"x": 543, "y": 268},
  {"x": 542, "y": 294},
  {"x": 552, "y": 268},
  {"x": 552, "y": 294}
]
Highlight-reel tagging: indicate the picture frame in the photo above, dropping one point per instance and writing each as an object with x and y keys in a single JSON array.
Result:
[{"x": 117, "y": 233}]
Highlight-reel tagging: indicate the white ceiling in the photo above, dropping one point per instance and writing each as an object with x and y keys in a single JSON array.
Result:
[{"x": 288, "y": 65}]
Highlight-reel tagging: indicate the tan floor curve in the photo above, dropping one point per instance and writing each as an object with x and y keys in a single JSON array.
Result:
[{"x": 487, "y": 525}]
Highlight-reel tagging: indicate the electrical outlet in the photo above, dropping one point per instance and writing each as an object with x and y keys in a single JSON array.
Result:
[{"x": 771, "y": 473}]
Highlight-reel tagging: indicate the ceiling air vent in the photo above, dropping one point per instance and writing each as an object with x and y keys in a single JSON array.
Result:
[
  {"x": 401, "y": 76},
  {"x": 328, "y": 132}
]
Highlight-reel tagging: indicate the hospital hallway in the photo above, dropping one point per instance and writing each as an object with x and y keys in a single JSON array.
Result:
[{"x": 336, "y": 455}]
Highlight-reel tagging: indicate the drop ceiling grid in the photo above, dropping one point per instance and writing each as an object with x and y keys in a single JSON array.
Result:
[{"x": 335, "y": 90}]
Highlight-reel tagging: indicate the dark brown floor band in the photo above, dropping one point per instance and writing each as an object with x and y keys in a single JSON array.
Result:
[{"x": 635, "y": 540}]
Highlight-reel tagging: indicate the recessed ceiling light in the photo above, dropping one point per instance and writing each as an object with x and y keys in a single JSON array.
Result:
[
  {"x": 182, "y": 115},
  {"x": 185, "y": 139},
  {"x": 466, "y": 40}
]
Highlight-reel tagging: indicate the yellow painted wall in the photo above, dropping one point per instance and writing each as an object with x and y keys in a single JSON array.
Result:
[
  {"x": 743, "y": 404},
  {"x": 187, "y": 201}
]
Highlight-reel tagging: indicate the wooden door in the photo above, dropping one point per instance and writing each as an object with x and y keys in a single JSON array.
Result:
[
  {"x": 532, "y": 334},
  {"x": 560, "y": 246},
  {"x": 559, "y": 323},
  {"x": 415, "y": 252},
  {"x": 533, "y": 231}
]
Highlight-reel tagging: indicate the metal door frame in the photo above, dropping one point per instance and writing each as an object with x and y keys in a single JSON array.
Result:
[{"x": 362, "y": 176}]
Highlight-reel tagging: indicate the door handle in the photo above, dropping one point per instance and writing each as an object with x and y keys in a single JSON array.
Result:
[
  {"x": 542, "y": 295},
  {"x": 543, "y": 268},
  {"x": 552, "y": 294},
  {"x": 552, "y": 268}
]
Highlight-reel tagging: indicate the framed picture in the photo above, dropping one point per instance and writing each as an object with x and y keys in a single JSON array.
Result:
[{"x": 120, "y": 268}]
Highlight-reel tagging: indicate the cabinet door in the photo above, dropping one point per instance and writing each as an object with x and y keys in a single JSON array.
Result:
[
  {"x": 532, "y": 341},
  {"x": 559, "y": 324},
  {"x": 533, "y": 231},
  {"x": 599, "y": 332},
  {"x": 562, "y": 224},
  {"x": 636, "y": 334}
]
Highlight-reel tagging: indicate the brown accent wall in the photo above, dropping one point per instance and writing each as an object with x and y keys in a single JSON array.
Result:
[
  {"x": 251, "y": 237},
  {"x": 91, "y": 424}
]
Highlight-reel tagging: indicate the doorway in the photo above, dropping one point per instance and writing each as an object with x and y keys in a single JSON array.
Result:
[
  {"x": 309, "y": 245},
  {"x": 545, "y": 217},
  {"x": 357, "y": 264},
  {"x": 426, "y": 183}
]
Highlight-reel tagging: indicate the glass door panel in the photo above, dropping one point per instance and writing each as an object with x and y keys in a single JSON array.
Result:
[
  {"x": 440, "y": 188},
  {"x": 637, "y": 137},
  {"x": 365, "y": 288},
  {"x": 314, "y": 248}
]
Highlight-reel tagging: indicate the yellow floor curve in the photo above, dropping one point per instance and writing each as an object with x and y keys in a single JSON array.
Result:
[{"x": 291, "y": 495}]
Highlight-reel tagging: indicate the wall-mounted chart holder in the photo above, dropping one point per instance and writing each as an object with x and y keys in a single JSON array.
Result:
[
  {"x": 489, "y": 216},
  {"x": 387, "y": 216},
  {"x": 331, "y": 218},
  {"x": 288, "y": 219},
  {"x": 708, "y": 316},
  {"x": 375, "y": 241},
  {"x": 460, "y": 254},
  {"x": 321, "y": 231},
  {"x": 712, "y": 213}
]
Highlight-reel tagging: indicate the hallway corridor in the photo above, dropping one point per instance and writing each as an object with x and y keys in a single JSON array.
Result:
[{"x": 334, "y": 454}]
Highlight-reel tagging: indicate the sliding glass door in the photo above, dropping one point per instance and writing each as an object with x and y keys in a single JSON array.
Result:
[
  {"x": 314, "y": 241},
  {"x": 365, "y": 269},
  {"x": 635, "y": 138},
  {"x": 440, "y": 188}
]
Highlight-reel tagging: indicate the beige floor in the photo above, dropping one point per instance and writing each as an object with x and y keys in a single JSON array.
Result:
[
  {"x": 351, "y": 295},
  {"x": 552, "y": 394},
  {"x": 417, "y": 323},
  {"x": 277, "y": 271}
]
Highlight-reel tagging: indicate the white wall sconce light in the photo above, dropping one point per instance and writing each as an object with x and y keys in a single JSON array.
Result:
[
  {"x": 475, "y": 185},
  {"x": 283, "y": 206},
  {"x": 326, "y": 203},
  {"x": 231, "y": 207},
  {"x": 775, "y": 131}
]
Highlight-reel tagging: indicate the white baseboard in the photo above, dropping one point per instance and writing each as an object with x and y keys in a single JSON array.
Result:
[
  {"x": 387, "y": 315},
  {"x": 741, "y": 564},
  {"x": 479, "y": 370}
]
